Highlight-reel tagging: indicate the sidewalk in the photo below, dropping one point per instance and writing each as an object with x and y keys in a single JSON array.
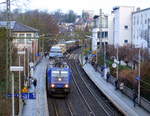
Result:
[
  {"x": 122, "y": 102},
  {"x": 38, "y": 106}
]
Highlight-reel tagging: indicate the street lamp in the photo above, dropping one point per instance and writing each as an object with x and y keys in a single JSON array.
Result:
[
  {"x": 20, "y": 53},
  {"x": 117, "y": 63},
  {"x": 139, "y": 75},
  {"x": 14, "y": 69},
  {"x": 138, "y": 78}
]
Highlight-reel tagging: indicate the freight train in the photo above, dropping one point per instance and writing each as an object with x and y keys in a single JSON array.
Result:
[
  {"x": 59, "y": 50},
  {"x": 58, "y": 78}
]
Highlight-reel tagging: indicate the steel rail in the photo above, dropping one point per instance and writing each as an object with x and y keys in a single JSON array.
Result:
[
  {"x": 69, "y": 107},
  {"x": 90, "y": 109},
  {"x": 92, "y": 93},
  {"x": 55, "y": 109}
]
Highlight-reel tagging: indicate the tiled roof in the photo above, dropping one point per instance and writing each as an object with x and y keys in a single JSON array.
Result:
[{"x": 18, "y": 27}]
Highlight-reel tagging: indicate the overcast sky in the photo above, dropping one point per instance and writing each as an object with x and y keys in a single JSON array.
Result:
[{"x": 79, "y": 5}]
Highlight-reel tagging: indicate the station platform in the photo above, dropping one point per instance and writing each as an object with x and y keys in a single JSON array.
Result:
[
  {"x": 38, "y": 106},
  {"x": 121, "y": 101}
]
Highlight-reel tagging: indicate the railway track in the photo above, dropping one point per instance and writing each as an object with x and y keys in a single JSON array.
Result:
[
  {"x": 60, "y": 107},
  {"x": 93, "y": 108},
  {"x": 94, "y": 94},
  {"x": 85, "y": 98}
]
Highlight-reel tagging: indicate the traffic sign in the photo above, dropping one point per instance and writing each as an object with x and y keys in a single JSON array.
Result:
[
  {"x": 16, "y": 68},
  {"x": 28, "y": 96},
  {"x": 37, "y": 54},
  {"x": 138, "y": 78},
  {"x": 15, "y": 95},
  {"x": 32, "y": 96},
  {"x": 25, "y": 90},
  {"x": 114, "y": 65},
  {"x": 21, "y": 52},
  {"x": 24, "y": 95}
]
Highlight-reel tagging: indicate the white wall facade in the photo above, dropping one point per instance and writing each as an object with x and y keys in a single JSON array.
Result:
[
  {"x": 26, "y": 40},
  {"x": 122, "y": 25},
  {"x": 102, "y": 32},
  {"x": 110, "y": 29},
  {"x": 94, "y": 38},
  {"x": 141, "y": 27}
]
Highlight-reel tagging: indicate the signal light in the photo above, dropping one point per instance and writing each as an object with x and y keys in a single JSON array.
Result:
[
  {"x": 66, "y": 85},
  {"x": 59, "y": 79},
  {"x": 52, "y": 85}
]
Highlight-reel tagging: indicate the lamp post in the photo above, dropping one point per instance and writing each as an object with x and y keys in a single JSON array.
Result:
[
  {"x": 117, "y": 63},
  {"x": 12, "y": 92},
  {"x": 138, "y": 78},
  {"x": 24, "y": 63},
  {"x": 14, "y": 69},
  {"x": 139, "y": 74},
  {"x": 20, "y": 53}
]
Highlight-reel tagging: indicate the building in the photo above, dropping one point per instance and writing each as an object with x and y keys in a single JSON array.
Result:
[
  {"x": 100, "y": 31},
  {"x": 87, "y": 15},
  {"x": 141, "y": 27},
  {"x": 111, "y": 29},
  {"x": 122, "y": 25},
  {"x": 23, "y": 36}
]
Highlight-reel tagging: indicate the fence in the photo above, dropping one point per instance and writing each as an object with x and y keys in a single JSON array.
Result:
[{"x": 129, "y": 92}]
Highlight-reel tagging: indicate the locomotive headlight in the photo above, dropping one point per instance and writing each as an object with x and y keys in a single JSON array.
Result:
[
  {"x": 52, "y": 85},
  {"x": 66, "y": 86},
  {"x": 59, "y": 79}
]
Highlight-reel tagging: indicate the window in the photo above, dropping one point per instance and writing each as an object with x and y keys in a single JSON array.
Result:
[
  {"x": 141, "y": 19},
  {"x": 137, "y": 20},
  {"x": 125, "y": 41},
  {"x": 21, "y": 35},
  {"x": 99, "y": 34},
  {"x": 28, "y": 35},
  {"x": 145, "y": 21},
  {"x": 103, "y": 34},
  {"x": 21, "y": 41},
  {"x": 134, "y": 20},
  {"x": 14, "y": 35},
  {"x": 106, "y": 34},
  {"x": 29, "y": 41},
  {"x": 126, "y": 27}
]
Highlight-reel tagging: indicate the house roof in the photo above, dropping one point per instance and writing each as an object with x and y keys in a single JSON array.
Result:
[
  {"x": 141, "y": 10},
  {"x": 18, "y": 27}
]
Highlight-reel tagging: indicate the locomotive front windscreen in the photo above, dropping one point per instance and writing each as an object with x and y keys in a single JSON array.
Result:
[
  {"x": 64, "y": 73},
  {"x": 59, "y": 73}
]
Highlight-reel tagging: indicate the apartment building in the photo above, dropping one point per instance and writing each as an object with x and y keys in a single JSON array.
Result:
[
  {"x": 141, "y": 27},
  {"x": 122, "y": 25}
]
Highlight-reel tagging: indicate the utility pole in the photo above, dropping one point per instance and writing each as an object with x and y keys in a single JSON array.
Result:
[
  {"x": 100, "y": 30},
  {"x": 8, "y": 56},
  {"x": 19, "y": 86},
  {"x": 8, "y": 42},
  {"x": 13, "y": 99},
  {"x": 117, "y": 63},
  {"x": 139, "y": 74}
]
